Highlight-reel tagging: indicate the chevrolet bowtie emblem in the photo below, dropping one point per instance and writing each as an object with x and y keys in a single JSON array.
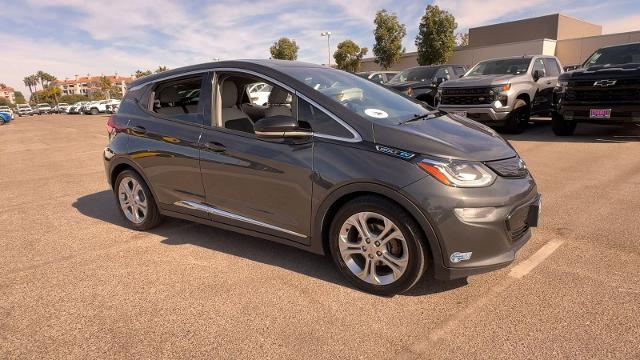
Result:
[{"x": 604, "y": 83}]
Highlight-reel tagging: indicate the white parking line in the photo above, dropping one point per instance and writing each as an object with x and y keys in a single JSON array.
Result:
[
  {"x": 517, "y": 272},
  {"x": 534, "y": 260}
]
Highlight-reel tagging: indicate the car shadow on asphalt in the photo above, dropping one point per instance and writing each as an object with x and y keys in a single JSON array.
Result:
[
  {"x": 102, "y": 206},
  {"x": 540, "y": 130}
]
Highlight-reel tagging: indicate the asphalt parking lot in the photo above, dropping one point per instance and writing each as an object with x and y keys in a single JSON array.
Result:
[{"x": 75, "y": 283}]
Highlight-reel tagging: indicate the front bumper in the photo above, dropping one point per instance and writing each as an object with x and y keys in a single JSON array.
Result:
[
  {"x": 620, "y": 114},
  {"x": 485, "y": 114},
  {"x": 478, "y": 245}
]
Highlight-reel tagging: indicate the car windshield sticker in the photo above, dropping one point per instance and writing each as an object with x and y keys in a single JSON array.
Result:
[{"x": 376, "y": 113}]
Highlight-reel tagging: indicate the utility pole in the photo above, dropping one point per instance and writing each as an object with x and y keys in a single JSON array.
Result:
[{"x": 328, "y": 35}]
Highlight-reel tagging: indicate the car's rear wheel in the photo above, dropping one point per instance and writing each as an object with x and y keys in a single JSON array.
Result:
[
  {"x": 518, "y": 118},
  {"x": 562, "y": 127},
  {"x": 136, "y": 202},
  {"x": 377, "y": 246},
  {"x": 94, "y": 111}
]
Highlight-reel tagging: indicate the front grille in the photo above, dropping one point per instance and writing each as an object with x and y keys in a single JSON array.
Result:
[
  {"x": 518, "y": 233},
  {"x": 517, "y": 222},
  {"x": 583, "y": 91},
  {"x": 512, "y": 168},
  {"x": 466, "y": 96}
]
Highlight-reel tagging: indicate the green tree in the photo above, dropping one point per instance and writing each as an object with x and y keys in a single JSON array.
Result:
[
  {"x": 388, "y": 34},
  {"x": 72, "y": 99},
  {"x": 19, "y": 98},
  {"x": 31, "y": 82},
  {"x": 348, "y": 56},
  {"x": 462, "y": 39},
  {"x": 284, "y": 49},
  {"x": 105, "y": 86},
  {"x": 436, "y": 38},
  {"x": 161, "y": 69},
  {"x": 141, "y": 73}
]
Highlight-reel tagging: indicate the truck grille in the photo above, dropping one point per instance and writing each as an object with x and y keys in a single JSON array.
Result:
[
  {"x": 623, "y": 92},
  {"x": 466, "y": 96}
]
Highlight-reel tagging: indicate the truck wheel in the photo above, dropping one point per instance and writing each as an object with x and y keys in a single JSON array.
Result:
[
  {"x": 518, "y": 118},
  {"x": 94, "y": 111},
  {"x": 562, "y": 127}
]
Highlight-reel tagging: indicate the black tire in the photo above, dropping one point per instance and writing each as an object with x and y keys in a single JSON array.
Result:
[
  {"x": 415, "y": 244},
  {"x": 152, "y": 217},
  {"x": 94, "y": 111},
  {"x": 562, "y": 127},
  {"x": 518, "y": 118}
]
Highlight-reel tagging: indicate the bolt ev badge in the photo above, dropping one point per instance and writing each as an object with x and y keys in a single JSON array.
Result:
[
  {"x": 456, "y": 257},
  {"x": 604, "y": 83}
]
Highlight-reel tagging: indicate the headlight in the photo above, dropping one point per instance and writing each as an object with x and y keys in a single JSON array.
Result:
[
  {"x": 561, "y": 86},
  {"x": 500, "y": 93},
  {"x": 458, "y": 173}
]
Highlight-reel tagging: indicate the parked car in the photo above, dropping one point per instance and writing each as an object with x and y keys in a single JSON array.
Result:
[
  {"x": 77, "y": 107},
  {"x": 96, "y": 107},
  {"x": 8, "y": 110},
  {"x": 5, "y": 116},
  {"x": 422, "y": 82},
  {"x": 43, "y": 108},
  {"x": 112, "y": 107},
  {"x": 380, "y": 77},
  {"x": 503, "y": 92},
  {"x": 259, "y": 93},
  {"x": 61, "y": 108},
  {"x": 24, "y": 110},
  {"x": 605, "y": 90},
  {"x": 429, "y": 189}
]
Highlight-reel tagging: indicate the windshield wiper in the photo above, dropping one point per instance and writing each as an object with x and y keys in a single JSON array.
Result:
[{"x": 417, "y": 117}]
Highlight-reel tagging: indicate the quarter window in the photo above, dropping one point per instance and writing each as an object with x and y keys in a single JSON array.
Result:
[
  {"x": 179, "y": 99},
  {"x": 319, "y": 122}
]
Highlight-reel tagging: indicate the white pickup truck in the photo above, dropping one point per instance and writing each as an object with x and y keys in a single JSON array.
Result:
[{"x": 96, "y": 107}]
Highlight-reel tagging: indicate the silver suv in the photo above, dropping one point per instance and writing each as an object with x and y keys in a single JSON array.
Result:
[{"x": 503, "y": 92}]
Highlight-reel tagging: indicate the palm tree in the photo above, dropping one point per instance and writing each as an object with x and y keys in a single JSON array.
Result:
[{"x": 31, "y": 82}]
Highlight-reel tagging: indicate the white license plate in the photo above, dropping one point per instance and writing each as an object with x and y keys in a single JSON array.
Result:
[
  {"x": 600, "y": 114},
  {"x": 460, "y": 113}
]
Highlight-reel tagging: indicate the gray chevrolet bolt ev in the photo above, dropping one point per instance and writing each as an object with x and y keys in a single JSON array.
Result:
[{"x": 325, "y": 161}]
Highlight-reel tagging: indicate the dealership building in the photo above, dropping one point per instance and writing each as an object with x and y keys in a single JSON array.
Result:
[{"x": 570, "y": 39}]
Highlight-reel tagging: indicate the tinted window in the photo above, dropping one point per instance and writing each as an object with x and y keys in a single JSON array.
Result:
[
  {"x": 179, "y": 99},
  {"x": 539, "y": 65},
  {"x": 377, "y": 78},
  {"x": 615, "y": 55},
  {"x": 365, "y": 98},
  {"x": 552, "y": 67},
  {"x": 416, "y": 74},
  {"x": 501, "y": 67},
  {"x": 319, "y": 122},
  {"x": 443, "y": 73}
]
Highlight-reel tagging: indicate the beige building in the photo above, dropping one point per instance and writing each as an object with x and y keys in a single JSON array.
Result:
[
  {"x": 571, "y": 40},
  {"x": 85, "y": 85},
  {"x": 8, "y": 93}
]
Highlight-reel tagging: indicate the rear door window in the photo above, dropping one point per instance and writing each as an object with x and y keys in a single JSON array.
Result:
[
  {"x": 179, "y": 99},
  {"x": 552, "y": 67}
]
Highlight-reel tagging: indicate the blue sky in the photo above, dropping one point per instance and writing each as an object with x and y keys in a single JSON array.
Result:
[{"x": 68, "y": 37}]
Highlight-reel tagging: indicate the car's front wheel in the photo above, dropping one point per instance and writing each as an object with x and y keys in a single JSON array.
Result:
[
  {"x": 377, "y": 246},
  {"x": 136, "y": 202},
  {"x": 518, "y": 119}
]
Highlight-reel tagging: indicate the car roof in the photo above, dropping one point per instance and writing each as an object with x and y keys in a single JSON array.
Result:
[
  {"x": 278, "y": 65},
  {"x": 620, "y": 45}
]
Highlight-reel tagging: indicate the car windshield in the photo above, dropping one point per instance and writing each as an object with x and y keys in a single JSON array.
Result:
[
  {"x": 616, "y": 55},
  {"x": 501, "y": 67},
  {"x": 365, "y": 98},
  {"x": 415, "y": 74}
]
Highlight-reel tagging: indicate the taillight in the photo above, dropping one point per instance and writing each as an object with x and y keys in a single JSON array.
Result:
[{"x": 111, "y": 125}]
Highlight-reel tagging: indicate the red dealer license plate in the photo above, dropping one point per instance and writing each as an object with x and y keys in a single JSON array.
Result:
[{"x": 600, "y": 114}]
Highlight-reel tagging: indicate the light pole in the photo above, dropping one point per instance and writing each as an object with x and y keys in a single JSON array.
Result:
[{"x": 328, "y": 35}]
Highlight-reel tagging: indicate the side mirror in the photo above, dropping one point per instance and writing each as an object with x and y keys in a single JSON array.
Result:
[
  {"x": 537, "y": 74},
  {"x": 280, "y": 126}
]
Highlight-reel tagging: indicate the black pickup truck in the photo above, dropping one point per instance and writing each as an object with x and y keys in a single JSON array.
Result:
[{"x": 605, "y": 89}]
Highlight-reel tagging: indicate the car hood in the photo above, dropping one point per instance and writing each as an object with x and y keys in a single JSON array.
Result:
[
  {"x": 603, "y": 72},
  {"x": 445, "y": 136},
  {"x": 402, "y": 85},
  {"x": 478, "y": 80}
]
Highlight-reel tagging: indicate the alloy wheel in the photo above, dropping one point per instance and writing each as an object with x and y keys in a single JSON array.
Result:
[
  {"x": 133, "y": 200},
  {"x": 373, "y": 248}
]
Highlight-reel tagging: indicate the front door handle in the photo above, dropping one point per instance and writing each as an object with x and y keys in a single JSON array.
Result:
[
  {"x": 139, "y": 130},
  {"x": 215, "y": 146}
]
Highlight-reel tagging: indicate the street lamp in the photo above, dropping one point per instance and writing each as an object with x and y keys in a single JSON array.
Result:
[{"x": 328, "y": 35}]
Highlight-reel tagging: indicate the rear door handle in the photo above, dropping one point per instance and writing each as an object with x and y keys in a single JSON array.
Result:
[
  {"x": 215, "y": 146},
  {"x": 139, "y": 130}
]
